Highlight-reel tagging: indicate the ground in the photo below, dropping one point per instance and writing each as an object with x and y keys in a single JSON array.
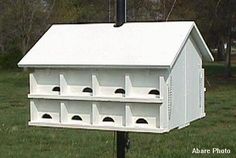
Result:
[{"x": 216, "y": 130}]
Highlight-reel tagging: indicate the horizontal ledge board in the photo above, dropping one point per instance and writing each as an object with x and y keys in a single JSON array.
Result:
[
  {"x": 96, "y": 66},
  {"x": 96, "y": 127},
  {"x": 98, "y": 99}
]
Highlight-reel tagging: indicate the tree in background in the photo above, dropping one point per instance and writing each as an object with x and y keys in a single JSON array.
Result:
[
  {"x": 144, "y": 10},
  {"x": 226, "y": 13},
  {"x": 22, "y": 22},
  {"x": 216, "y": 20}
]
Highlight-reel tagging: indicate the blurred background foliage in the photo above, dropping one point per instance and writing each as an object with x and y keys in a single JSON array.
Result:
[{"x": 23, "y": 22}]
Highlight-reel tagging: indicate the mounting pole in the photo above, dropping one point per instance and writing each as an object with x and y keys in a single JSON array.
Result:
[
  {"x": 122, "y": 141},
  {"x": 120, "y": 13}
]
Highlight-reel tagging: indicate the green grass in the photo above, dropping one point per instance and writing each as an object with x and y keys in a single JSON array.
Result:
[{"x": 17, "y": 139}]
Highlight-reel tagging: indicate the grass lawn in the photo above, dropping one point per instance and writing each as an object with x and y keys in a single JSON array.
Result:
[{"x": 17, "y": 139}]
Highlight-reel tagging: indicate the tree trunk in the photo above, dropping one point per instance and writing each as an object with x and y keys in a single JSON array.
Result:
[
  {"x": 220, "y": 50},
  {"x": 228, "y": 59},
  {"x": 228, "y": 54},
  {"x": 229, "y": 41}
]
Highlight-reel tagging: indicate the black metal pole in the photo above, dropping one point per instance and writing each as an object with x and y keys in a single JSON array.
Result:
[
  {"x": 121, "y": 140},
  {"x": 120, "y": 12}
]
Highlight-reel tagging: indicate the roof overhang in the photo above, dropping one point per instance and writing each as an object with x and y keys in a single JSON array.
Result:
[
  {"x": 98, "y": 66},
  {"x": 207, "y": 56},
  {"x": 198, "y": 39},
  {"x": 122, "y": 47}
]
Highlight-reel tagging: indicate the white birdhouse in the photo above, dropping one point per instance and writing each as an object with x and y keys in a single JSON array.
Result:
[{"x": 141, "y": 77}]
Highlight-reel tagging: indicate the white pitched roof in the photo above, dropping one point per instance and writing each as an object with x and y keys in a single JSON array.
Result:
[{"x": 152, "y": 44}]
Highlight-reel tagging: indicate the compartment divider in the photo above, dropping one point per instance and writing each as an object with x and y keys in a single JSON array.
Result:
[
  {"x": 33, "y": 111},
  {"x": 128, "y": 85},
  {"x": 128, "y": 116},
  {"x": 95, "y": 84},
  {"x": 33, "y": 83},
  {"x": 74, "y": 107},
  {"x": 63, "y": 84},
  {"x": 162, "y": 83},
  {"x": 95, "y": 114},
  {"x": 63, "y": 117}
]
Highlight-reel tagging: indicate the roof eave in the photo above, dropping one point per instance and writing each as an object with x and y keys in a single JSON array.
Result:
[
  {"x": 206, "y": 53},
  {"x": 95, "y": 66},
  {"x": 207, "y": 56},
  {"x": 182, "y": 45}
]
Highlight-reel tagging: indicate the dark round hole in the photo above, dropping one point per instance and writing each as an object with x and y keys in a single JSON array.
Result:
[
  {"x": 76, "y": 117},
  {"x": 88, "y": 90},
  {"x": 141, "y": 121},
  {"x": 108, "y": 119},
  {"x": 119, "y": 91},
  {"x": 56, "y": 89},
  {"x": 47, "y": 116},
  {"x": 154, "y": 92}
]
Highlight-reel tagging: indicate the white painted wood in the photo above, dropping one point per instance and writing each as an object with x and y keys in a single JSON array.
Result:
[
  {"x": 41, "y": 108},
  {"x": 33, "y": 111},
  {"x": 202, "y": 89},
  {"x": 109, "y": 82},
  {"x": 76, "y": 81},
  {"x": 44, "y": 80},
  {"x": 75, "y": 109},
  {"x": 141, "y": 82},
  {"x": 149, "y": 113},
  {"x": 115, "y": 111},
  {"x": 64, "y": 112},
  {"x": 193, "y": 67},
  {"x": 95, "y": 114},
  {"x": 106, "y": 84},
  {"x": 128, "y": 115},
  {"x": 63, "y": 85},
  {"x": 184, "y": 125},
  {"x": 132, "y": 45},
  {"x": 162, "y": 88},
  {"x": 95, "y": 85},
  {"x": 97, "y": 127},
  {"x": 99, "y": 99},
  {"x": 177, "y": 110},
  {"x": 128, "y": 85},
  {"x": 33, "y": 83},
  {"x": 164, "y": 121}
]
